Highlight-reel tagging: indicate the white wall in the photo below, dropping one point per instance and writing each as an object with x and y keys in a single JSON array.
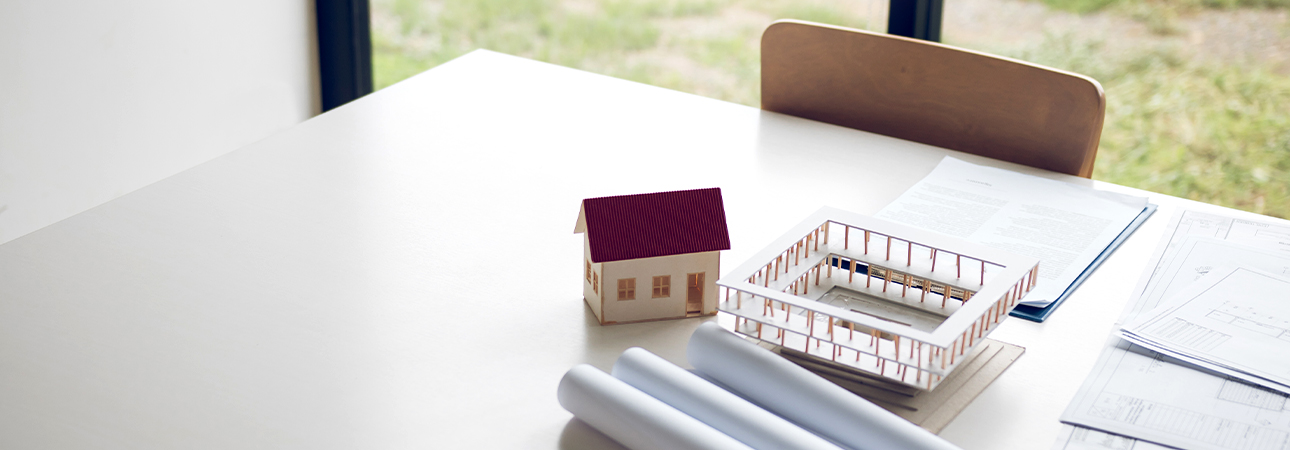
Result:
[
  {"x": 590, "y": 294},
  {"x": 645, "y": 307},
  {"x": 99, "y": 98}
]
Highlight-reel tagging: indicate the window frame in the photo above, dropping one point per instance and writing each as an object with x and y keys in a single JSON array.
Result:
[
  {"x": 344, "y": 33},
  {"x": 918, "y": 19},
  {"x": 664, "y": 289},
  {"x": 626, "y": 289}
]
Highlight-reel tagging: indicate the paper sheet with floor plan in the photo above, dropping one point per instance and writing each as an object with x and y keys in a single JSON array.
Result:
[
  {"x": 1235, "y": 321},
  {"x": 1079, "y": 438},
  {"x": 1135, "y": 392},
  {"x": 1065, "y": 226}
]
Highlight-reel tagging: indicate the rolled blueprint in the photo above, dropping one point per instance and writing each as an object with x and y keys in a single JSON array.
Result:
[
  {"x": 713, "y": 405},
  {"x": 633, "y": 418},
  {"x": 801, "y": 396}
]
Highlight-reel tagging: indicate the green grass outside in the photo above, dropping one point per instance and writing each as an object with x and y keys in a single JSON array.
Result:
[
  {"x": 1160, "y": 16},
  {"x": 1084, "y": 6},
  {"x": 1219, "y": 134}
]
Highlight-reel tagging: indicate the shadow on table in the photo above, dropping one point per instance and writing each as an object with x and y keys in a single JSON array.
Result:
[
  {"x": 577, "y": 435},
  {"x": 665, "y": 338}
]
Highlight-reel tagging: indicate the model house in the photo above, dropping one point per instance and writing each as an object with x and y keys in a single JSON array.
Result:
[
  {"x": 895, "y": 302},
  {"x": 652, "y": 256}
]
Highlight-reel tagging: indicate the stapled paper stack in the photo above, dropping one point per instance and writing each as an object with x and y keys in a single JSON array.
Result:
[{"x": 1071, "y": 228}]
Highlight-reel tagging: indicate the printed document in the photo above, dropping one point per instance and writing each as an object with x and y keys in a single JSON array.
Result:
[
  {"x": 1064, "y": 225},
  {"x": 1079, "y": 438},
  {"x": 1135, "y": 392},
  {"x": 1235, "y": 321}
]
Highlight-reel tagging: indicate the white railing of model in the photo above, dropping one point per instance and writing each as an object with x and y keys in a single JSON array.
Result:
[{"x": 833, "y": 331}]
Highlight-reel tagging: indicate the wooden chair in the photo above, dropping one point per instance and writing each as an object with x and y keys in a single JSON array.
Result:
[{"x": 934, "y": 94}]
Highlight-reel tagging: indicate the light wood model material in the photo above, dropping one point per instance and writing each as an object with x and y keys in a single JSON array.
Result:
[
  {"x": 934, "y": 94},
  {"x": 828, "y": 310}
]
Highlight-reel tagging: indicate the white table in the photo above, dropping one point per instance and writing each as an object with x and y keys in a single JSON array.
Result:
[{"x": 402, "y": 272}]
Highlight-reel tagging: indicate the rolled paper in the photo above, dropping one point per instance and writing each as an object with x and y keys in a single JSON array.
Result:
[
  {"x": 802, "y": 397},
  {"x": 632, "y": 417},
  {"x": 712, "y": 405}
]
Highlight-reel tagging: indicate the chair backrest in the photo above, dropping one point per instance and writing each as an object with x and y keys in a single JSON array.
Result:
[{"x": 934, "y": 94}]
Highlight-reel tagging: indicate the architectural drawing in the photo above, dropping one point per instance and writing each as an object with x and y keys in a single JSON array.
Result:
[
  {"x": 1252, "y": 319},
  {"x": 1189, "y": 334},
  {"x": 1080, "y": 438},
  {"x": 891, "y": 300},
  {"x": 1138, "y": 393},
  {"x": 1231, "y": 321},
  {"x": 1238, "y": 391}
]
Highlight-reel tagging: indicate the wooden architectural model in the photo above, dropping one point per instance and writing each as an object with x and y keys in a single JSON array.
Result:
[
  {"x": 894, "y": 301},
  {"x": 652, "y": 256}
]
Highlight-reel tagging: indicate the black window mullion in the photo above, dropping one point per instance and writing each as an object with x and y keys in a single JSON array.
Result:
[
  {"x": 344, "y": 50},
  {"x": 918, "y": 19}
]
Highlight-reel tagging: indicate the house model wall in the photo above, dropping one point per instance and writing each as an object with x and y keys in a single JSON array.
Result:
[
  {"x": 652, "y": 256},
  {"x": 897, "y": 302}
]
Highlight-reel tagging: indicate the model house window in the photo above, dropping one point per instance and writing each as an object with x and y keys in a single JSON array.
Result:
[
  {"x": 663, "y": 286},
  {"x": 627, "y": 289},
  {"x": 595, "y": 283},
  {"x": 588, "y": 271}
]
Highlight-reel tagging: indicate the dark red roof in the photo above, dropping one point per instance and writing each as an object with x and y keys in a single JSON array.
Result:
[{"x": 658, "y": 224}]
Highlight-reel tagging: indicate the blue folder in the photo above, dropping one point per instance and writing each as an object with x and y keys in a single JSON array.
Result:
[{"x": 1039, "y": 314}]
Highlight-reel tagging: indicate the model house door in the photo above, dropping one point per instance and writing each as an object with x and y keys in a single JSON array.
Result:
[{"x": 694, "y": 294}]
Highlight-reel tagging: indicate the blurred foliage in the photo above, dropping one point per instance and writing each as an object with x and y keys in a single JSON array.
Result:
[
  {"x": 1218, "y": 134},
  {"x": 1160, "y": 16},
  {"x": 1085, "y": 6}
]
